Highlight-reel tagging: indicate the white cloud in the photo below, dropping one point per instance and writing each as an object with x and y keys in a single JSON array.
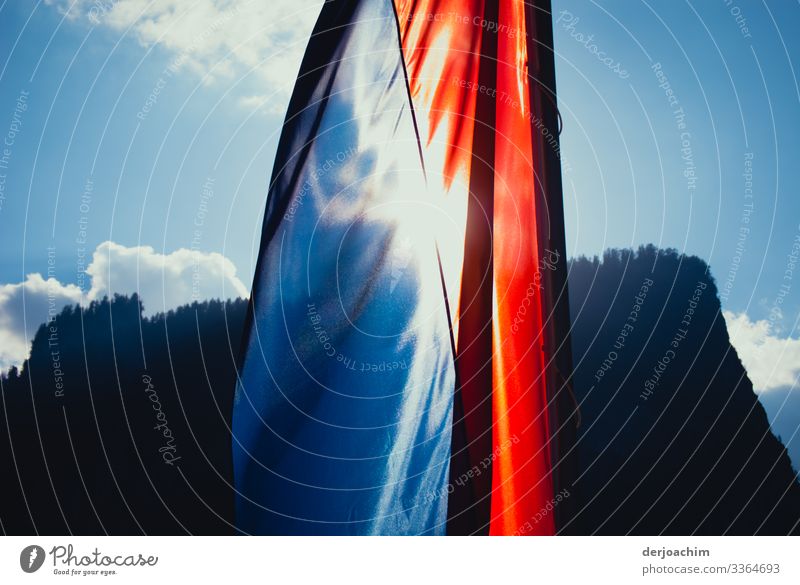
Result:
[
  {"x": 264, "y": 104},
  {"x": 230, "y": 36},
  {"x": 23, "y": 308},
  {"x": 771, "y": 361},
  {"x": 163, "y": 281}
]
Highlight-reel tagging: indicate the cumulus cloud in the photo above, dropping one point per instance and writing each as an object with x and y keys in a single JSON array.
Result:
[
  {"x": 771, "y": 361},
  {"x": 230, "y": 36},
  {"x": 163, "y": 282},
  {"x": 24, "y": 307}
]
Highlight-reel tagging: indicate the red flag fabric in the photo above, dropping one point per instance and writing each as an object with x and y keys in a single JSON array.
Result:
[
  {"x": 467, "y": 64},
  {"x": 402, "y": 233}
]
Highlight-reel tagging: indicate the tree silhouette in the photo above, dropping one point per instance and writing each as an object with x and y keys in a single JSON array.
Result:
[
  {"x": 93, "y": 459},
  {"x": 682, "y": 446},
  {"x": 120, "y": 424}
]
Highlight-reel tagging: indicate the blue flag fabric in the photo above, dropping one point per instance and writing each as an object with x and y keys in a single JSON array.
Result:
[{"x": 343, "y": 409}]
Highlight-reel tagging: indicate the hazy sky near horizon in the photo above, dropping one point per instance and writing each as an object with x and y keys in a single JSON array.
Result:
[{"x": 141, "y": 128}]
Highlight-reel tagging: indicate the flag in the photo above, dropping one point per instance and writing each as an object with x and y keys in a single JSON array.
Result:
[{"x": 398, "y": 364}]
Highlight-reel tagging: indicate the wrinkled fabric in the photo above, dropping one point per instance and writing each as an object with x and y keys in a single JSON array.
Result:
[
  {"x": 343, "y": 408},
  {"x": 393, "y": 374}
]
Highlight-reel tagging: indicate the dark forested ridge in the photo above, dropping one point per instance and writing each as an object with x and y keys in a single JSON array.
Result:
[
  {"x": 140, "y": 444},
  {"x": 131, "y": 420},
  {"x": 673, "y": 439}
]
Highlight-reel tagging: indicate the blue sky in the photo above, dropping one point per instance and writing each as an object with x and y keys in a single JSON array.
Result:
[
  {"x": 154, "y": 125},
  {"x": 89, "y": 86},
  {"x": 709, "y": 169},
  {"x": 739, "y": 96}
]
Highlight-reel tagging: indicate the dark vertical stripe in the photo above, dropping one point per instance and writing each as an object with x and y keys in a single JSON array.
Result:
[
  {"x": 469, "y": 504},
  {"x": 408, "y": 92},
  {"x": 333, "y": 20},
  {"x": 424, "y": 171},
  {"x": 552, "y": 238}
]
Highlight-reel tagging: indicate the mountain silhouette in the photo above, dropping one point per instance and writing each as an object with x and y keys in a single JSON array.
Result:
[
  {"x": 672, "y": 439},
  {"x": 120, "y": 424},
  {"x": 92, "y": 460}
]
